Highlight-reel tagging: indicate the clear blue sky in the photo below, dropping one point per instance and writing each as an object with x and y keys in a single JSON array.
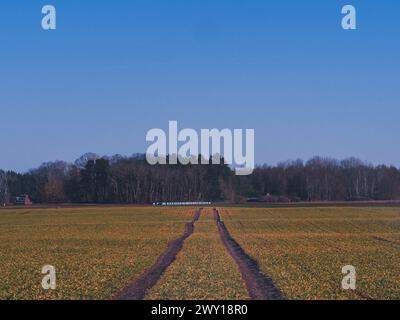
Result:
[{"x": 115, "y": 69}]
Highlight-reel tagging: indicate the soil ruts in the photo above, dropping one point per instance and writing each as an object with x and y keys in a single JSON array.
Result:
[
  {"x": 138, "y": 288},
  {"x": 362, "y": 295},
  {"x": 259, "y": 286}
]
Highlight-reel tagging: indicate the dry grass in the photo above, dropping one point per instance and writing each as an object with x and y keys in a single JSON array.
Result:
[
  {"x": 304, "y": 249},
  {"x": 203, "y": 269},
  {"x": 96, "y": 251}
]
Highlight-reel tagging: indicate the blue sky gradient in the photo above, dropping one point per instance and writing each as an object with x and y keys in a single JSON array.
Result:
[{"x": 115, "y": 69}]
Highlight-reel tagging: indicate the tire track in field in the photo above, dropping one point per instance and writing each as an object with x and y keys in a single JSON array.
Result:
[
  {"x": 259, "y": 286},
  {"x": 361, "y": 295},
  {"x": 396, "y": 243},
  {"x": 138, "y": 288}
]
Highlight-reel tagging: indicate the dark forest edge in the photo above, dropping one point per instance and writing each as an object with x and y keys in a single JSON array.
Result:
[{"x": 131, "y": 180}]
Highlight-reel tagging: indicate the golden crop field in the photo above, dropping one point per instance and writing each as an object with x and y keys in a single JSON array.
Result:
[
  {"x": 304, "y": 249},
  {"x": 203, "y": 269},
  {"x": 96, "y": 251}
]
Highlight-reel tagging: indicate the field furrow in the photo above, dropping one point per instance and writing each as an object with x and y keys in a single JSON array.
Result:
[
  {"x": 203, "y": 269},
  {"x": 139, "y": 287}
]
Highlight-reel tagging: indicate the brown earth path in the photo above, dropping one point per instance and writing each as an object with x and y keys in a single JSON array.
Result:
[
  {"x": 138, "y": 288},
  {"x": 259, "y": 286}
]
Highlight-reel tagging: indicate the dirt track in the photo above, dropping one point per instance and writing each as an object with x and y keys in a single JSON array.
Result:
[
  {"x": 259, "y": 286},
  {"x": 138, "y": 288}
]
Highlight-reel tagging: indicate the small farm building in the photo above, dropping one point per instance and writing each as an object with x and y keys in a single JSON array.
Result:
[{"x": 23, "y": 200}]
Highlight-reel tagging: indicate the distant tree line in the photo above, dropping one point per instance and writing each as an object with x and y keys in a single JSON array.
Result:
[{"x": 118, "y": 179}]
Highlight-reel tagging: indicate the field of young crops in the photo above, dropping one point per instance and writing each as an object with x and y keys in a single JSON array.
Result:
[
  {"x": 99, "y": 251},
  {"x": 96, "y": 251},
  {"x": 304, "y": 249}
]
